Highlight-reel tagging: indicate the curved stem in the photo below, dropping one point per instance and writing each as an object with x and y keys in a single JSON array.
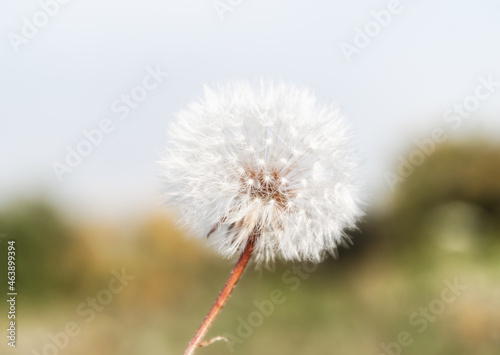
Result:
[{"x": 223, "y": 296}]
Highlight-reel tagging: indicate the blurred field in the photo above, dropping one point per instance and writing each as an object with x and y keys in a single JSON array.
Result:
[{"x": 442, "y": 226}]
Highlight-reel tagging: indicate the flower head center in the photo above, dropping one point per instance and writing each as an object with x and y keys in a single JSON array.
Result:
[{"x": 267, "y": 186}]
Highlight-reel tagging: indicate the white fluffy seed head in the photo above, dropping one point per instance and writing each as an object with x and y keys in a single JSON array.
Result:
[{"x": 270, "y": 162}]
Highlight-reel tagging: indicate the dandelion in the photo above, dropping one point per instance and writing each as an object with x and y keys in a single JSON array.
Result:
[{"x": 265, "y": 174}]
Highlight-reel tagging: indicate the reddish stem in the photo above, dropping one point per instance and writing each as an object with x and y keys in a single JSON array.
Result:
[{"x": 223, "y": 296}]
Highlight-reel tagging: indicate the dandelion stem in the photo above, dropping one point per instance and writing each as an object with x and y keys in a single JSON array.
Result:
[{"x": 223, "y": 296}]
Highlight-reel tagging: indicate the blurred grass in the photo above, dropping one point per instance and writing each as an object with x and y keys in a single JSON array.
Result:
[{"x": 443, "y": 224}]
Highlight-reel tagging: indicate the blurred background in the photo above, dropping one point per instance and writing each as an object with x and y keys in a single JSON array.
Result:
[{"x": 88, "y": 89}]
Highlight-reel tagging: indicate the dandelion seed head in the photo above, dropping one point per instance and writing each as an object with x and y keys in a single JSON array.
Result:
[{"x": 270, "y": 162}]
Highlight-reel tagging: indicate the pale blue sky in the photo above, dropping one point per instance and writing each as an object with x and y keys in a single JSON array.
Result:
[{"x": 65, "y": 79}]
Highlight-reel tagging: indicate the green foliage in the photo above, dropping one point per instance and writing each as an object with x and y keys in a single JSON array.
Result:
[
  {"x": 465, "y": 173},
  {"x": 43, "y": 246}
]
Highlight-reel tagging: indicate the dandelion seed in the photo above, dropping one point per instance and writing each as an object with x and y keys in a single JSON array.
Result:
[{"x": 268, "y": 174}]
